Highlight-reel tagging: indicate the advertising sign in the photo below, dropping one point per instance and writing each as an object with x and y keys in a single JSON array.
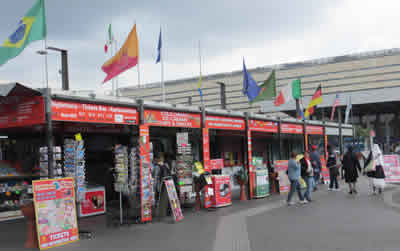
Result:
[
  {"x": 216, "y": 164},
  {"x": 391, "y": 168},
  {"x": 92, "y": 113},
  {"x": 250, "y": 162},
  {"x": 172, "y": 119},
  {"x": 221, "y": 191},
  {"x": 145, "y": 173},
  {"x": 206, "y": 150},
  {"x": 228, "y": 123},
  {"x": 319, "y": 130},
  {"x": 173, "y": 200},
  {"x": 263, "y": 126},
  {"x": 324, "y": 170},
  {"x": 55, "y": 211},
  {"x": 291, "y": 128},
  {"x": 21, "y": 111},
  {"x": 262, "y": 183},
  {"x": 281, "y": 167},
  {"x": 93, "y": 202}
]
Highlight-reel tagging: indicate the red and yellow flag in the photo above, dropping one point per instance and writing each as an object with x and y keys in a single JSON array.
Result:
[
  {"x": 316, "y": 100},
  {"x": 127, "y": 57}
]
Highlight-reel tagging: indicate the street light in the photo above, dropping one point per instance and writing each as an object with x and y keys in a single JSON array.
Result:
[{"x": 64, "y": 66}]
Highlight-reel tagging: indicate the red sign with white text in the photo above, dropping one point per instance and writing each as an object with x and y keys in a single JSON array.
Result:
[
  {"x": 206, "y": 150},
  {"x": 221, "y": 191},
  {"x": 229, "y": 123},
  {"x": 172, "y": 119},
  {"x": 21, "y": 111},
  {"x": 93, "y": 203},
  {"x": 263, "y": 126},
  {"x": 291, "y": 128},
  {"x": 216, "y": 164},
  {"x": 56, "y": 221},
  {"x": 314, "y": 130},
  {"x": 281, "y": 166},
  {"x": 93, "y": 113}
]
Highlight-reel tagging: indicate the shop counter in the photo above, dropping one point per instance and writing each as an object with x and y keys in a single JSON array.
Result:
[{"x": 94, "y": 201}]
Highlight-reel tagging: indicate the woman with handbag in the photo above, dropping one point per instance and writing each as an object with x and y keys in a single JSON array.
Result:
[
  {"x": 307, "y": 173},
  {"x": 374, "y": 170}
]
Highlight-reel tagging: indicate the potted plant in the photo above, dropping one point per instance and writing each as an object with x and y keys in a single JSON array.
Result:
[{"x": 242, "y": 178}]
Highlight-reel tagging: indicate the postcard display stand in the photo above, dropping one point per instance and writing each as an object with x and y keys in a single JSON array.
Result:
[
  {"x": 44, "y": 162},
  {"x": 121, "y": 174},
  {"x": 184, "y": 167},
  {"x": 74, "y": 165}
]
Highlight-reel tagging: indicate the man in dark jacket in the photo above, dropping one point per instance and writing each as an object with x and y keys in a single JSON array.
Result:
[{"x": 315, "y": 157}]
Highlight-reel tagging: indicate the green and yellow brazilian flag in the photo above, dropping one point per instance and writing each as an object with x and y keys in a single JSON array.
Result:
[{"x": 31, "y": 27}]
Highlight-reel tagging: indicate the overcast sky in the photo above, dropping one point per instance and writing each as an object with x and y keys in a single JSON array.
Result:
[{"x": 264, "y": 32}]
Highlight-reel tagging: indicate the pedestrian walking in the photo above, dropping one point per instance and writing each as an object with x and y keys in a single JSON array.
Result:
[
  {"x": 294, "y": 171},
  {"x": 374, "y": 170},
  {"x": 333, "y": 169},
  {"x": 307, "y": 173},
  {"x": 315, "y": 158},
  {"x": 351, "y": 166}
]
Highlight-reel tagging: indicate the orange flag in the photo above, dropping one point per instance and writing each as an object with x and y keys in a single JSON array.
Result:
[{"x": 127, "y": 57}]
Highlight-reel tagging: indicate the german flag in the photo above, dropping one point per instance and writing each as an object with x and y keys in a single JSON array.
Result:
[{"x": 316, "y": 100}]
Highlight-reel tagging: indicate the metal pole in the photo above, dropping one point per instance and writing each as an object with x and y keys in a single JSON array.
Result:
[
  {"x": 340, "y": 130},
  {"x": 201, "y": 96},
  {"x": 162, "y": 73},
  {"x": 280, "y": 138},
  {"x": 297, "y": 108},
  {"x": 64, "y": 67}
]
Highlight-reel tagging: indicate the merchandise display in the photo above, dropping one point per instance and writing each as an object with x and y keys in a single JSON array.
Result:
[
  {"x": 145, "y": 175},
  {"x": 44, "y": 163},
  {"x": 74, "y": 165},
  {"x": 121, "y": 168},
  {"x": 173, "y": 200},
  {"x": 10, "y": 198},
  {"x": 261, "y": 178},
  {"x": 184, "y": 161}
]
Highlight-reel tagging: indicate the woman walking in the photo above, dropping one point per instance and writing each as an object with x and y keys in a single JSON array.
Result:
[
  {"x": 374, "y": 170},
  {"x": 351, "y": 166},
  {"x": 333, "y": 169},
  {"x": 294, "y": 176},
  {"x": 307, "y": 173}
]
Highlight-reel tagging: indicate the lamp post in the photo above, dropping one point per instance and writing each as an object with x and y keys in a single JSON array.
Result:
[{"x": 64, "y": 66}]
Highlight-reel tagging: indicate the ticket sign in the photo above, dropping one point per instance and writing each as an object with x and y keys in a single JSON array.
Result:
[
  {"x": 56, "y": 222},
  {"x": 227, "y": 123},
  {"x": 263, "y": 126},
  {"x": 21, "y": 111},
  {"x": 281, "y": 167},
  {"x": 172, "y": 119},
  {"x": 93, "y": 113},
  {"x": 319, "y": 130},
  {"x": 391, "y": 168},
  {"x": 291, "y": 128}
]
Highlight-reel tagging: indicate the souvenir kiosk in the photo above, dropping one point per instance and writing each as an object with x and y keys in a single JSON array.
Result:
[
  {"x": 225, "y": 145},
  {"x": 263, "y": 146}
]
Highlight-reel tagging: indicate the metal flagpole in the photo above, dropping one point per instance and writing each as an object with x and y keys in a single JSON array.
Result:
[
  {"x": 201, "y": 96},
  {"x": 116, "y": 78},
  {"x": 162, "y": 71}
]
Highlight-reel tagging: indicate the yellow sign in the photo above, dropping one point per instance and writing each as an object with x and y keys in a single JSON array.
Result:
[{"x": 78, "y": 137}]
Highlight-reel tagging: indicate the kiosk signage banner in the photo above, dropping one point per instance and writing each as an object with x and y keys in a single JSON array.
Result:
[
  {"x": 21, "y": 111},
  {"x": 206, "y": 150},
  {"x": 92, "y": 113},
  {"x": 172, "y": 119},
  {"x": 291, "y": 128},
  {"x": 319, "y": 130},
  {"x": 281, "y": 167},
  {"x": 145, "y": 171},
  {"x": 173, "y": 200},
  {"x": 227, "y": 123},
  {"x": 263, "y": 126},
  {"x": 391, "y": 168},
  {"x": 55, "y": 211}
]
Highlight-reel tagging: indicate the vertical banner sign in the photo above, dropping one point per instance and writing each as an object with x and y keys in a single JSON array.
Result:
[
  {"x": 324, "y": 170},
  {"x": 306, "y": 141},
  {"x": 391, "y": 168},
  {"x": 173, "y": 200},
  {"x": 250, "y": 163},
  {"x": 281, "y": 167},
  {"x": 55, "y": 211},
  {"x": 206, "y": 150},
  {"x": 326, "y": 146},
  {"x": 145, "y": 177}
]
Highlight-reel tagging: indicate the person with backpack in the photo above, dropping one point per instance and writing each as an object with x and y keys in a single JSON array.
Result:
[
  {"x": 333, "y": 169},
  {"x": 307, "y": 173},
  {"x": 315, "y": 158}
]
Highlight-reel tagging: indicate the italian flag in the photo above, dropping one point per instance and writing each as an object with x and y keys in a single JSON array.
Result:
[{"x": 288, "y": 93}]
